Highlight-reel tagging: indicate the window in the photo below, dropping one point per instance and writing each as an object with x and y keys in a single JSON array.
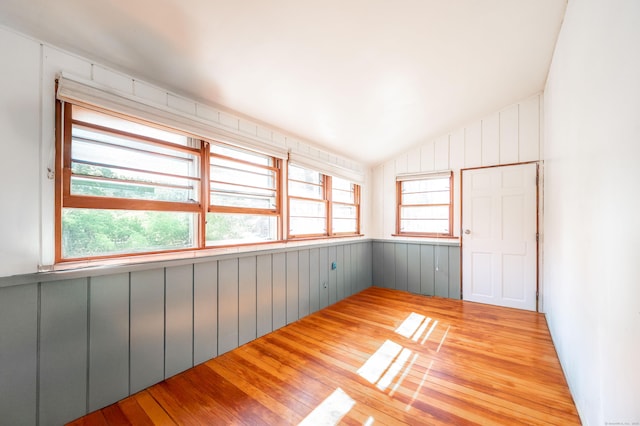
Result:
[
  {"x": 345, "y": 210},
  {"x": 243, "y": 204},
  {"x": 126, "y": 187},
  {"x": 424, "y": 205},
  {"x": 321, "y": 205}
]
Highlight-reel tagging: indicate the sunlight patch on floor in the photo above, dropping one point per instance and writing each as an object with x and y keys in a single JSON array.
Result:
[
  {"x": 378, "y": 363},
  {"x": 331, "y": 410}
]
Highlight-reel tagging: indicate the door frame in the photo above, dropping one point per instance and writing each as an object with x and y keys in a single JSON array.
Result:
[{"x": 538, "y": 215}]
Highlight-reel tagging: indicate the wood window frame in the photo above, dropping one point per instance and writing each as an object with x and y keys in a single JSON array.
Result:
[
  {"x": 276, "y": 212},
  {"x": 65, "y": 199},
  {"x": 327, "y": 199},
  {"x": 399, "y": 206}
]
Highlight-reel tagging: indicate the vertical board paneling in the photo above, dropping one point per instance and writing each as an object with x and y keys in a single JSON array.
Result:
[
  {"x": 324, "y": 277},
  {"x": 264, "y": 296},
  {"x": 227, "y": 305},
  {"x": 401, "y": 267},
  {"x": 340, "y": 272},
  {"x": 303, "y": 283},
  {"x": 427, "y": 157},
  {"x": 108, "y": 340},
  {"x": 279, "y": 271},
  {"x": 529, "y": 129},
  {"x": 441, "y": 254},
  {"x": 113, "y": 79},
  {"x": 491, "y": 140},
  {"x": 247, "y": 299},
  {"x": 456, "y": 149},
  {"x": 389, "y": 196},
  {"x": 18, "y": 354},
  {"x": 454, "y": 272},
  {"x": 473, "y": 145},
  {"x": 178, "y": 320},
  {"x": 292, "y": 286},
  {"x": 413, "y": 164},
  {"x": 147, "y": 329},
  {"x": 389, "y": 261},
  {"x": 358, "y": 252},
  {"x": 63, "y": 351},
  {"x": 376, "y": 221},
  {"x": 413, "y": 265},
  {"x": 314, "y": 280},
  {"x": 509, "y": 135},
  {"x": 441, "y": 153},
  {"x": 333, "y": 276},
  {"x": 354, "y": 265},
  {"x": 427, "y": 271},
  {"x": 377, "y": 273},
  {"x": 347, "y": 271},
  {"x": 368, "y": 268},
  {"x": 402, "y": 163},
  {"x": 205, "y": 311}
]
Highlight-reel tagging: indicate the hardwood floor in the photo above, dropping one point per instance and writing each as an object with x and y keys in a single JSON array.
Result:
[{"x": 379, "y": 357}]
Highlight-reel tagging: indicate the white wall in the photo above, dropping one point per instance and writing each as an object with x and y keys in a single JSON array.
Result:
[
  {"x": 27, "y": 120},
  {"x": 19, "y": 161},
  {"x": 511, "y": 135},
  {"x": 592, "y": 225}
]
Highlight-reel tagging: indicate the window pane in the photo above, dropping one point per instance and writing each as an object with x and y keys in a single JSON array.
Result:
[
  {"x": 425, "y": 185},
  {"x": 440, "y": 197},
  {"x": 307, "y": 226},
  {"x": 307, "y": 208},
  {"x": 425, "y": 212},
  {"x": 113, "y": 122},
  {"x": 233, "y": 171},
  {"x": 304, "y": 175},
  {"x": 113, "y": 166},
  {"x": 344, "y": 211},
  {"x": 440, "y": 226},
  {"x": 241, "y": 154},
  {"x": 246, "y": 200},
  {"x": 341, "y": 184},
  {"x": 93, "y": 232},
  {"x": 343, "y": 196},
  {"x": 223, "y": 229},
  {"x": 299, "y": 189},
  {"x": 425, "y": 206},
  {"x": 237, "y": 184},
  {"x": 344, "y": 225},
  {"x": 182, "y": 191}
]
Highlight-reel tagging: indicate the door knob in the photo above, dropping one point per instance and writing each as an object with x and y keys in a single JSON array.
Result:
[{"x": 467, "y": 231}]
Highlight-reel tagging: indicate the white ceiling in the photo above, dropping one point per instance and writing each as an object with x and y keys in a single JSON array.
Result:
[{"x": 363, "y": 78}]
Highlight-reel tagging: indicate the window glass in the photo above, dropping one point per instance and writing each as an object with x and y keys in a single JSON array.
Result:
[
  {"x": 425, "y": 206},
  {"x": 312, "y": 195},
  {"x": 224, "y": 229},
  {"x": 101, "y": 232},
  {"x": 127, "y": 125}
]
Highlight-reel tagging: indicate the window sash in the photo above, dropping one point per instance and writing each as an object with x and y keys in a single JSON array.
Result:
[
  {"x": 310, "y": 187},
  {"x": 424, "y": 205},
  {"x": 106, "y": 170},
  {"x": 245, "y": 185}
]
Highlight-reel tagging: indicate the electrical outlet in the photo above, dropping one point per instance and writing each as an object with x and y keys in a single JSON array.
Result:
[{"x": 334, "y": 266}]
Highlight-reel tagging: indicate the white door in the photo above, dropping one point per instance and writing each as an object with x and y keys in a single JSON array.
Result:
[{"x": 499, "y": 235}]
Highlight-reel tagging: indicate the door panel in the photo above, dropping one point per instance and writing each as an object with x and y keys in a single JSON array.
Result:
[{"x": 499, "y": 249}]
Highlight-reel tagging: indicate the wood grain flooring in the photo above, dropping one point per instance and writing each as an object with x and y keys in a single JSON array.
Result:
[{"x": 379, "y": 357}]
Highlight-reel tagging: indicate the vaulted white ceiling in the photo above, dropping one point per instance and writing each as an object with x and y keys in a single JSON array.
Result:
[{"x": 367, "y": 79}]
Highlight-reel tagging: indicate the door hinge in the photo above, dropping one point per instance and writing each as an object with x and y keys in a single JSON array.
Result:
[{"x": 537, "y": 236}]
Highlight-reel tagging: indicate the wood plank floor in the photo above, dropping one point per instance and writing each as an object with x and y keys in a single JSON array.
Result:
[{"x": 379, "y": 357}]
